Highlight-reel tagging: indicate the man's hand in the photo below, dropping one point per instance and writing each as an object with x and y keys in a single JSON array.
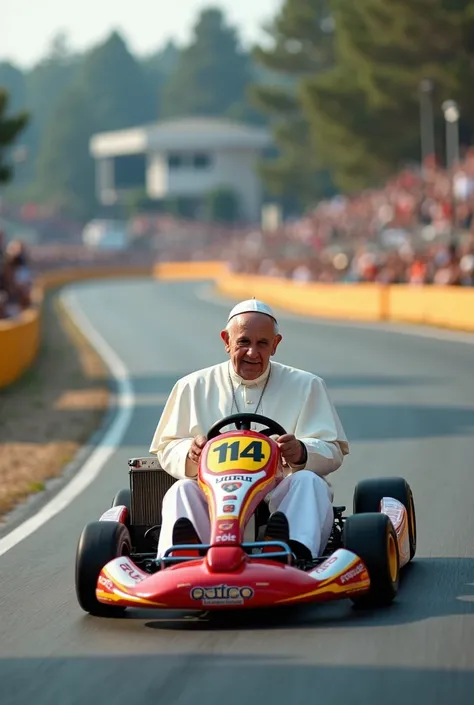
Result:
[
  {"x": 196, "y": 448},
  {"x": 292, "y": 450}
]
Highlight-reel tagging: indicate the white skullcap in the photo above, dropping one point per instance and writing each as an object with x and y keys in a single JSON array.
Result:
[{"x": 250, "y": 306}]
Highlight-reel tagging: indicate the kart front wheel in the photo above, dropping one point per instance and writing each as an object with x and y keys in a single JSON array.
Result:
[
  {"x": 100, "y": 543},
  {"x": 372, "y": 537}
]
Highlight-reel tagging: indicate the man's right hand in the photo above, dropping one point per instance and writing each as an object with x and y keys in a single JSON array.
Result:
[{"x": 196, "y": 448}]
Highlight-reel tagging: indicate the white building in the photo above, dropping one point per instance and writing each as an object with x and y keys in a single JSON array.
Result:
[{"x": 187, "y": 157}]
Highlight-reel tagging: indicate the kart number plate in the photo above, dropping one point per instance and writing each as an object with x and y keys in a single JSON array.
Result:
[{"x": 238, "y": 453}]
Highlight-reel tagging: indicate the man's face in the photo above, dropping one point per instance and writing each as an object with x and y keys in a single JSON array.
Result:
[{"x": 250, "y": 342}]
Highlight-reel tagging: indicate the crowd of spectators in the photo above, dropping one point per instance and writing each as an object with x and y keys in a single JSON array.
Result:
[
  {"x": 15, "y": 278},
  {"x": 418, "y": 229}
]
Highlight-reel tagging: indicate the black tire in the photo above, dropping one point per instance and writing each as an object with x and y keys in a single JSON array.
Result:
[
  {"x": 372, "y": 537},
  {"x": 124, "y": 497},
  {"x": 368, "y": 493},
  {"x": 100, "y": 542}
]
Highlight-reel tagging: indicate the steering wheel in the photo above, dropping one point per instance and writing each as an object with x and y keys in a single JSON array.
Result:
[{"x": 243, "y": 422}]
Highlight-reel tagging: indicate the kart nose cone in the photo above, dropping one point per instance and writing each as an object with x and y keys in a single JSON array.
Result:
[{"x": 222, "y": 559}]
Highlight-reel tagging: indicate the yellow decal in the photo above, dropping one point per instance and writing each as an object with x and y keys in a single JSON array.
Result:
[{"x": 238, "y": 453}]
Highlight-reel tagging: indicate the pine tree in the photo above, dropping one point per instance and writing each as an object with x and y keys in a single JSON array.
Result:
[
  {"x": 111, "y": 92},
  {"x": 10, "y": 128},
  {"x": 365, "y": 112},
  {"x": 212, "y": 72},
  {"x": 302, "y": 46}
]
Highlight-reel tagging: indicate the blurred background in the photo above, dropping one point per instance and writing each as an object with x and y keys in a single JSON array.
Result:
[{"x": 311, "y": 139}]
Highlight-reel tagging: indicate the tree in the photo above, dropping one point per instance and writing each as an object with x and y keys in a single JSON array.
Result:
[
  {"x": 45, "y": 83},
  {"x": 364, "y": 112},
  {"x": 110, "y": 92},
  {"x": 302, "y": 45},
  {"x": 10, "y": 128},
  {"x": 158, "y": 68},
  {"x": 212, "y": 72},
  {"x": 12, "y": 80}
]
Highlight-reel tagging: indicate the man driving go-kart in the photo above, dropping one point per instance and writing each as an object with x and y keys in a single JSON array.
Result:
[{"x": 314, "y": 446}]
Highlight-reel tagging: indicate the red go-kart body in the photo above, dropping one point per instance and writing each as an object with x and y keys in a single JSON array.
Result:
[{"x": 237, "y": 470}]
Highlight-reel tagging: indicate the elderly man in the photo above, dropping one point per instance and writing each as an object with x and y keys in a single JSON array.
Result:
[{"x": 314, "y": 446}]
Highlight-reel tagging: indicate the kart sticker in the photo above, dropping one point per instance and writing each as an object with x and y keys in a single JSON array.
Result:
[
  {"x": 230, "y": 497},
  {"x": 238, "y": 479},
  {"x": 231, "y": 486},
  {"x": 226, "y": 525},
  {"x": 238, "y": 453},
  {"x": 108, "y": 584},
  {"x": 222, "y": 594},
  {"x": 229, "y": 508}
]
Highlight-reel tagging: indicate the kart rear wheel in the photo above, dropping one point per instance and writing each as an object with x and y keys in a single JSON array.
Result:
[
  {"x": 124, "y": 498},
  {"x": 372, "y": 537},
  {"x": 368, "y": 494},
  {"x": 99, "y": 543}
]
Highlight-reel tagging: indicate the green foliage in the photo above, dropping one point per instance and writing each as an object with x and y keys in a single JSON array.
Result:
[
  {"x": 71, "y": 97},
  {"x": 212, "y": 72},
  {"x": 13, "y": 82},
  {"x": 301, "y": 46},
  {"x": 364, "y": 113},
  {"x": 337, "y": 82},
  {"x": 110, "y": 92},
  {"x": 10, "y": 128}
]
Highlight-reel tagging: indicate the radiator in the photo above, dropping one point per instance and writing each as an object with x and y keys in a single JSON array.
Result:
[{"x": 148, "y": 487}]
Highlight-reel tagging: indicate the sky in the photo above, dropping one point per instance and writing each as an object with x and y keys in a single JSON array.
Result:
[{"x": 28, "y": 26}]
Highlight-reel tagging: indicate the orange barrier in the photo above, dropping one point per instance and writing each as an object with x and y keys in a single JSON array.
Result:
[
  {"x": 448, "y": 307},
  {"x": 189, "y": 270},
  {"x": 61, "y": 277},
  {"x": 19, "y": 345},
  {"x": 20, "y": 337},
  {"x": 350, "y": 301}
]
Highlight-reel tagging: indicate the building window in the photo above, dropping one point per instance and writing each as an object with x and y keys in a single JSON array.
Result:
[
  {"x": 202, "y": 161},
  {"x": 175, "y": 161},
  {"x": 198, "y": 160}
]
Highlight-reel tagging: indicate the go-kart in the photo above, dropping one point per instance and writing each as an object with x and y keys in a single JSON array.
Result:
[{"x": 117, "y": 567}]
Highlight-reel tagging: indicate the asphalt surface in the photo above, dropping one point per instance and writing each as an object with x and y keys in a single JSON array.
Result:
[{"x": 407, "y": 404}]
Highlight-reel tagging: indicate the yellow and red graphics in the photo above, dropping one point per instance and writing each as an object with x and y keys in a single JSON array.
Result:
[
  {"x": 340, "y": 575},
  {"x": 236, "y": 470},
  {"x": 235, "y": 453},
  {"x": 254, "y": 583}
]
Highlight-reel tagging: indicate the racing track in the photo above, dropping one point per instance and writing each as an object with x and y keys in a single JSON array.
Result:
[{"x": 408, "y": 407}]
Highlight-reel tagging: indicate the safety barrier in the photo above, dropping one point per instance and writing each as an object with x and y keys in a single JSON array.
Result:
[
  {"x": 364, "y": 301},
  {"x": 189, "y": 270},
  {"x": 19, "y": 344},
  {"x": 20, "y": 337},
  {"x": 449, "y": 307}
]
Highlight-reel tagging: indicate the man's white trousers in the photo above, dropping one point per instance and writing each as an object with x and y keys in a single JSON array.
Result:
[{"x": 304, "y": 497}]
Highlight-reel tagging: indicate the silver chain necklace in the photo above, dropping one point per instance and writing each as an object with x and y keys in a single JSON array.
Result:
[{"x": 233, "y": 391}]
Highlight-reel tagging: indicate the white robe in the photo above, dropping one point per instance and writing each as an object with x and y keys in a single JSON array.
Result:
[{"x": 298, "y": 401}]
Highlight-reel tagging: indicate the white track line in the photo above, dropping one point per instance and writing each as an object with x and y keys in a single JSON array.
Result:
[
  {"x": 107, "y": 446},
  {"x": 207, "y": 293}
]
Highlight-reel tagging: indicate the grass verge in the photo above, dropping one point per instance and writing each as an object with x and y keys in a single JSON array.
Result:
[{"x": 52, "y": 411}]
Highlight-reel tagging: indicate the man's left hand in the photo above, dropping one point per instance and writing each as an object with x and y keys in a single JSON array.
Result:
[{"x": 291, "y": 448}]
